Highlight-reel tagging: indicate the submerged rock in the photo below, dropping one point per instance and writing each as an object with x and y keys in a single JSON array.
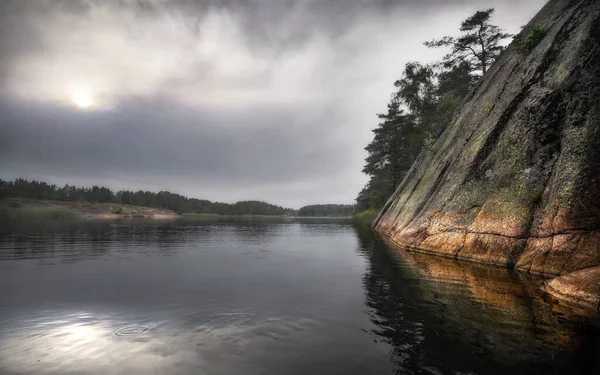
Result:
[
  {"x": 582, "y": 287},
  {"x": 515, "y": 179}
]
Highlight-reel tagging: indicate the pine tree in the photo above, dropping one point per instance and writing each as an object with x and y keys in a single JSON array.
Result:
[{"x": 479, "y": 45}]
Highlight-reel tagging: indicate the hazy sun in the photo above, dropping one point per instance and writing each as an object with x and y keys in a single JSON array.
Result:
[{"x": 82, "y": 99}]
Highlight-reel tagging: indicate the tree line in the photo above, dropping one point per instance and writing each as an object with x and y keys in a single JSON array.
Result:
[
  {"x": 32, "y": 189},
  {"x": 423, "y": 104},
  {"x": 22, "y": 188},
  {"x": 324, "y": 210}
]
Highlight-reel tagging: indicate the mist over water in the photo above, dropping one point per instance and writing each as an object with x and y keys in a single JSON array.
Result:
[{"x": 268, "y": 297}]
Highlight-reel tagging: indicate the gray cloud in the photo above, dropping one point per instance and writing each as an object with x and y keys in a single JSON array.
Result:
[{"x": 222, "y": 100}]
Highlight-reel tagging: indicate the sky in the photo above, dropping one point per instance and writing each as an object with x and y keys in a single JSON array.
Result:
[{"x": 226, "y": 100}]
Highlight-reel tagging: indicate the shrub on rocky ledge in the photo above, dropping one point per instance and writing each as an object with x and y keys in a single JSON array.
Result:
[{"x": 535, "y": 36}]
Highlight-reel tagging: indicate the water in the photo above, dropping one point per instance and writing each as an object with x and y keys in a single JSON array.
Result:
[{"x": 251, "y": 297}]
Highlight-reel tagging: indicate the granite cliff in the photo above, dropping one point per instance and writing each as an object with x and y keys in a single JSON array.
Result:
[{"x": 515, "y": 179}]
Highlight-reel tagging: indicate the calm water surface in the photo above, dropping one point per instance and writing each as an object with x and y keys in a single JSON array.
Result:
[{"x": 250, "y": 297}]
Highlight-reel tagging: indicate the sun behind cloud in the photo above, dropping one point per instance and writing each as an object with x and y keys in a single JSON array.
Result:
[{"x": 82, "y": 99}]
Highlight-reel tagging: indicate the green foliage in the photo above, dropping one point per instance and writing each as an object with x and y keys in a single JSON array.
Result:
[
  {"x": 416, "y": 88},
  {"x": 443, "y": 113},
  {"x": 531, "y": 40},
  {"x": 365, "y": 217},
  {"x": 118, "y": 211},
  {"x": 457, "y": 81},
  {"x": 327, "y": 210},
  {"x": 376, "y": 192},
  {"x": 36, "y": 213},
  {"x": 478, "y": 46},
  {"x": 420, "y": 109},
  {"x": 21, "y": 188},
  {"x": 429, "y": 142},
  {"x": 400, "y": 134}
]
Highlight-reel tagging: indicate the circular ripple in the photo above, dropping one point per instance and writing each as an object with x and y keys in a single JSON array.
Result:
[{"x": 130, "y": 330}]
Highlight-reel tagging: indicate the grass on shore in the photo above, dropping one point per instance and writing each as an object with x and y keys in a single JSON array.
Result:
[
  {"x": 36, "y": 213},
  {"x": 365, "y": 217}
]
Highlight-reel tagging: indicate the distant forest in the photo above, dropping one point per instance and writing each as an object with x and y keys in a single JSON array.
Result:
[
  {"x": 331, "y": 210},
  {"x": 22, "y": 188}
]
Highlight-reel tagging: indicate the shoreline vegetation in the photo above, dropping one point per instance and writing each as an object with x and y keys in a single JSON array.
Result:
[
  {"x": 366, "y": 217},
  {"x": 25, "y": 209},
  {"x": 30, "y": 199}
]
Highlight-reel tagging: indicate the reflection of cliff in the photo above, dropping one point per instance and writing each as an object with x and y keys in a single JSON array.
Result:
[
  {"x": 510, "y": 301},
  {"x": 466, "y": 317}
]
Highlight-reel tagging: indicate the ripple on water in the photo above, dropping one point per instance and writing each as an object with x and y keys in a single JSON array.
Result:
[{"x": 130, "y": 330}]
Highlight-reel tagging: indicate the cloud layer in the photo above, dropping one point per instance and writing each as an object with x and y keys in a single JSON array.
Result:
[{"x": 222, "y": 100}]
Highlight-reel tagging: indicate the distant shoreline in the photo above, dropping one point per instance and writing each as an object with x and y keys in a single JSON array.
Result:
[
  {"x": 40, "y": 209},
  {"x": 23, "y": 208}
]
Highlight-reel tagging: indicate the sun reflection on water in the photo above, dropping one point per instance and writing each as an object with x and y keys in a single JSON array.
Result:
[
  {"x": 75, "y": 342},
  {"x": 89, "y": 344}
]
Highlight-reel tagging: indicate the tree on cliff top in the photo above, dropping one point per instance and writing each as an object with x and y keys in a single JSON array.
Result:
[{"x": 479, "y": 45}]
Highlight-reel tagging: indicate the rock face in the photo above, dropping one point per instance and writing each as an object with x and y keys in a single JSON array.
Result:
[{"x": 515, "y": 179}]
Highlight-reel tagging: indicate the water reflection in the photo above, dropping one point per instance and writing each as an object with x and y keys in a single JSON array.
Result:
[
  {"x": 77, "y": 240},
  {"x": 264, "y": 297},
  {"x": 255, "y": 234},
  {"x": 216, "y": 297},
  {"x": 462, "y": 317}
]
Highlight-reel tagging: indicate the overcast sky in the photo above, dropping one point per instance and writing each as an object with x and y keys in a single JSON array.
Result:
[{"x": 222, "y": 100}]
